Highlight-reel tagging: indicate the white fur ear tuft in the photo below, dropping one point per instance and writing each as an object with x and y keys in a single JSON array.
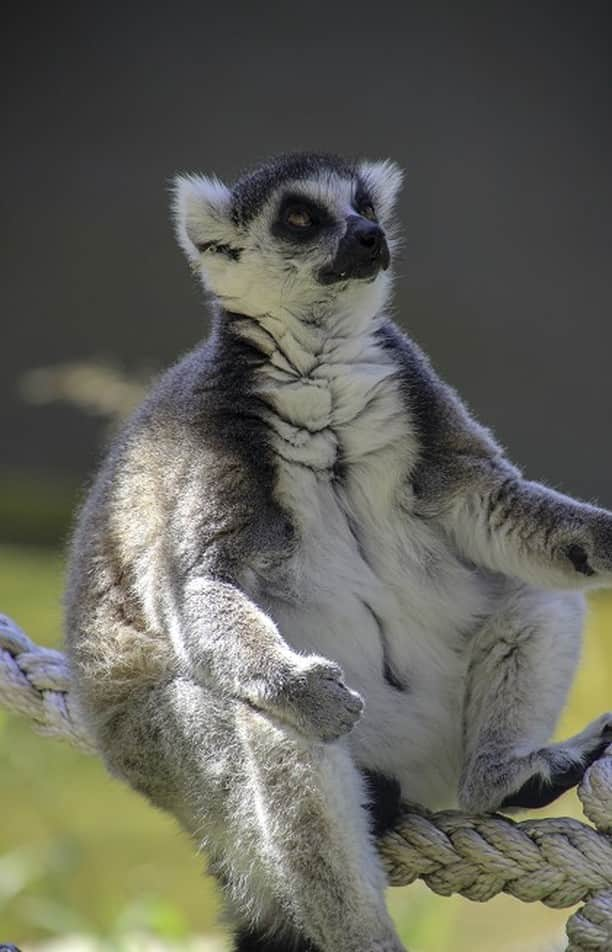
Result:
[
  {"x": 201, "y": 209},
  {"x": 384, "y": 180}
]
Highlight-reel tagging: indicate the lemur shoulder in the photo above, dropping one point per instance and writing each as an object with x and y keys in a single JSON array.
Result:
[{"x": 307, "y": 584}]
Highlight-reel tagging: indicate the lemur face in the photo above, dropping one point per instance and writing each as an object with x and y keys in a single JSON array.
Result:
[{"x": 300, "y": 233}]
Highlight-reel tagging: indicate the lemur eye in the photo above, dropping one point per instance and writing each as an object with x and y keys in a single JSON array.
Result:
[
  {"x": 300, "y": 220},
  {"x": 298, "y": 217},
  {"x": 367, "y": 211}
]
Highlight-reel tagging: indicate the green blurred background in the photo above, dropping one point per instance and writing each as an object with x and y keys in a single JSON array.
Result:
[{"x": 500, "y": 114}]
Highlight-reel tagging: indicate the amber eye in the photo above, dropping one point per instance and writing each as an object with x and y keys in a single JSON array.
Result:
[
  {"x": 367, "y": 211},
  {"x": 298, "y": 217}
]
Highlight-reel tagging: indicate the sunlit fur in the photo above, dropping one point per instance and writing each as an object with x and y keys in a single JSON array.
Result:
[{"x": 303, "y": 564}]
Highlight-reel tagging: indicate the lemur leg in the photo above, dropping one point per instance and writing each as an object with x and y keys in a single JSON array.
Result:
[
  {"x": 282, "y": 818},
  {"x": 384, "y": 807},
  {"x": 522, "y": 664}
]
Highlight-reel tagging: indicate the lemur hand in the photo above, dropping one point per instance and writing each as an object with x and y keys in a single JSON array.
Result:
[
  {"x": 584, "y": 547},
  {"x": 316, "y": 701}
]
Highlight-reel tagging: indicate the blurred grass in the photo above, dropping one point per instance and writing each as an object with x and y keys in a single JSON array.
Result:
[
  {"x": 81, "y": 853},
  {"x": 35, "y": 508}
]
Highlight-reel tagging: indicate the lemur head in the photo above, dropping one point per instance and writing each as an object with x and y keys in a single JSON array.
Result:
[{"x": 304, "y": 233}]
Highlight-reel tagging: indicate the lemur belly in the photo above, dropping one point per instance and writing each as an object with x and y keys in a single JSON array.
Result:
[
  {"x": 370, "y": 585},
  {"x": 396, "y": 613}
]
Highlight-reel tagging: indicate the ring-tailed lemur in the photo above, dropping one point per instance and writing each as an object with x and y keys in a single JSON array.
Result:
[{"x": 303, "y": 519}]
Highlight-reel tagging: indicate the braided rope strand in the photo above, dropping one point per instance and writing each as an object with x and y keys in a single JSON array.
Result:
[
  {"x": 559, "y": 862},
  {"x": 35, "y": 682}
]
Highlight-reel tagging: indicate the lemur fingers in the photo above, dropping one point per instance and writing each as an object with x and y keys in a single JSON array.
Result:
[{"x": 586, "y": 547}]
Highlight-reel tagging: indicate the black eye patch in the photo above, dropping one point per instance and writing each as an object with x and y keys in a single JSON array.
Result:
[
  {"x": 300, "y": 220},
  {"x": 364, "y": 205}
]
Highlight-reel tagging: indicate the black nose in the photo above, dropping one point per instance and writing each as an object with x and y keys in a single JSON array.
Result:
[{"x": 368, "y": 236}]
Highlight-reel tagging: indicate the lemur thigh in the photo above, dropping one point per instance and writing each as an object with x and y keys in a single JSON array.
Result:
[
  {"x": 282, "y": 817},
  {"x": 523, "y": 662}
]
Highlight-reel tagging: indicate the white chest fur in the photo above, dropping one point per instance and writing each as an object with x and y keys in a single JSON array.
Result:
[{"x": 374, "y": 587}]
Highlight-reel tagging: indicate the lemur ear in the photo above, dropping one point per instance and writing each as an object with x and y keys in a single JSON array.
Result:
[
  {"x": 202, "y": 218},
  {"x": 383, "y": 180}
]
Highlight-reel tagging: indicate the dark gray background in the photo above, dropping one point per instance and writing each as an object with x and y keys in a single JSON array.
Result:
[{"x": 500, "y": 114}]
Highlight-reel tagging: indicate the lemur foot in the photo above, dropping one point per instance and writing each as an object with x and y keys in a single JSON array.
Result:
[
  {"x": 536, "y": 779},
  {"x": 318, "y": 702},
  {"x": 564, "y": 774}
]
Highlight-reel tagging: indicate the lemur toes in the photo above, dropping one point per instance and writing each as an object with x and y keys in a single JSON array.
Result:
[{"x": 539, "y": 791}]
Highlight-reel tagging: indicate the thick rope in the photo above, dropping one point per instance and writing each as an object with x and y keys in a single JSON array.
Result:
[
  {"x": 35, "y": 681},
  {"x": 557, "y": 862}
]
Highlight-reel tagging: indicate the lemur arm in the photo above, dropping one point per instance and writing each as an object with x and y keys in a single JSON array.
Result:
[
  {"x": 508, "y": 524},
  {"x": 225, "y": 639},
  {"x": 496, "y": 518},
  {"x": 227, "y": 643}
]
